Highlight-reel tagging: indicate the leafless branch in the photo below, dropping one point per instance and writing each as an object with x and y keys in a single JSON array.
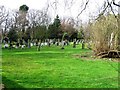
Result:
[
  {"x": 112, "y": 9},
  {"x": 115, "y": 3},
  {"x": 83, "y": 8},
  {"x": 108, "y": 4}
]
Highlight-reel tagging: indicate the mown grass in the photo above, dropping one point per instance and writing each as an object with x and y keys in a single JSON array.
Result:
[{"x": 55, "y": 68}]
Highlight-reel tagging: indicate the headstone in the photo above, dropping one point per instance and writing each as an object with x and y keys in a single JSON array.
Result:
[
  {"x": 51, "y": 41},
  {"x": 14, "y": 46},
  {"x": 62, "y": 43},
  {"x": 31, "y": 44},
  {"x": 49, "y": 44},
  {"x": 22, "y": 46},
  {"x": 42, "y": 44},
  {"x": 46, "y": 43},
  {"x": 34, "y": 44},
  {"x": 6, "y": 45},
  {"x": 57, "y": 44}
]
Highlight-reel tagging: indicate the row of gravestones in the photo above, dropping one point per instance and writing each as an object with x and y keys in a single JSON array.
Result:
[{"x": 51, "y": 42}]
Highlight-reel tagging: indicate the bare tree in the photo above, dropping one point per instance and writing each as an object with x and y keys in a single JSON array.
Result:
[
  {"x": 2, "y": 14},
  {"x": 3, "y": 21}
]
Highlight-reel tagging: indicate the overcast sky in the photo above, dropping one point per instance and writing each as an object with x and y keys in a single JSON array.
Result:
[{"x": 71, "y": 10}]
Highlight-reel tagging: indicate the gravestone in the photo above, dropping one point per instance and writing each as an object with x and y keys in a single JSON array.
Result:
[
  {"x": 62, "y": 43},
  {"x": 31, "y": 44},
  {"x": 46, "y": 43},
  {"x": 6, "y": 45}
]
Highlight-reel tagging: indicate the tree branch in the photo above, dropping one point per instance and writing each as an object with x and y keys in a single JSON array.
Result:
[
  {"x": 109, "y": 3},
  {"x": 115, "y": 3},
  {"x": 113, "y": 11},
  {"x": 83, "y": 8}
]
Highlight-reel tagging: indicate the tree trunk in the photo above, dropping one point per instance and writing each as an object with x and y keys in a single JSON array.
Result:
[
  {"x": 119, "y": 28},
  {"x": 74, "y": 44},
  {"x": 83, "y": 44},
  {"x": 29, "y": 43},
  {"x": 39, "y": 45}
]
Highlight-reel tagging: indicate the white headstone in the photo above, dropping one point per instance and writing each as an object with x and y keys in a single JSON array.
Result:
[
  {"x": 14, "y": 46},
  {"x": 23, "y": 46},
  {"x": 31, "y": 44},
  {"x": 46, "y": 44},
  {"x": 6, "y": 45}
]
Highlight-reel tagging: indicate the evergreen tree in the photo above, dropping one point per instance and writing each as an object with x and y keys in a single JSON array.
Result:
[
  {"x": 23, "y": 8},
  {"x": 54, "y": 30},
  {"x": 57, "y": 22}
]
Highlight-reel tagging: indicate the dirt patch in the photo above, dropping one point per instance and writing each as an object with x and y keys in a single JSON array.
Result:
[
  {"x": 115, "y": 59},
  {"x": 84, "y": 56},
  {"x": 1, "y": 86},
  {"x": 90, "y": 56}
]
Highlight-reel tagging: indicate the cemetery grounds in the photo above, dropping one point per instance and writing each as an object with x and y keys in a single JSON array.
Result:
[{"x": 52, "y": 67}]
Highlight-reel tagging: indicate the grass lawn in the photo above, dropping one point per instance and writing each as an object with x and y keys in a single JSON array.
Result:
[{"x": 55, "y": 68}]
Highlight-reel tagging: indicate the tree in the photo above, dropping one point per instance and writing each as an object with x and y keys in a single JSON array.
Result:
[
  {"x": 22, "y": 21},
  {"x": 67, "y": 26},
  {"x": 82, "y": 36},
  {"x": 3, "y": 18},
  {"x": 104, "y": 33},
  {"x": 40, "y": 34},
  {"x": 81, "y": 33},
  {"x": 27, "y": 36},
  {"x": 24, "y": 8},
  {"x": 56, "y": 22},
  {"x": 116, "y": 4},
  {"x": 12, "y": 35},
  {"x": 62, "y": 40},
  {"x": 54, "y": 30},
  {"x": 119, "y": 27},
  {"x": 51, "y": 33},
  {"x": 3, "y": 14}
]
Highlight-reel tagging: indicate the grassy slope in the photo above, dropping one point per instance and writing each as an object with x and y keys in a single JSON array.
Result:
[{"x": 54, "y": 68}]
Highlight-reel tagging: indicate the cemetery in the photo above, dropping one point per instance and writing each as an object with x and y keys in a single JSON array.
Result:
[{"x": 41, "y": 50}]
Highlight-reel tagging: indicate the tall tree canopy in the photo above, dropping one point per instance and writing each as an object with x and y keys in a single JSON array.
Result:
[
  {"x": 54, "y": 30},
  {"x": 23, "y": 8},
  {"x": 12, "y": 35},
  {"x": 57, "y": 22}
]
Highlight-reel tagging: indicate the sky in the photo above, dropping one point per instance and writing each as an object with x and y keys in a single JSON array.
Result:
[
  {"x": 14, "y": 4},
  {"x": 71, "y": 10}
]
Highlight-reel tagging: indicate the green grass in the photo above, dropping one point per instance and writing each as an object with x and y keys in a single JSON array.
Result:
[{"x": 55, "y": 68}]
